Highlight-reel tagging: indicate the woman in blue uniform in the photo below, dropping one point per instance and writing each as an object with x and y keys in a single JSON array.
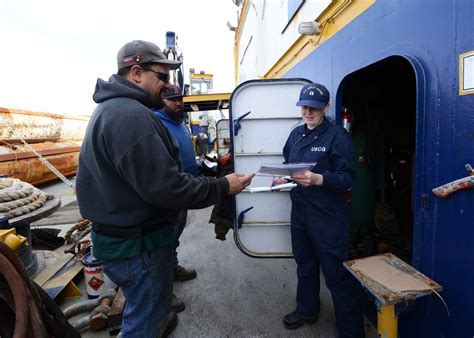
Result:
[{"x": 320, "y": 224}]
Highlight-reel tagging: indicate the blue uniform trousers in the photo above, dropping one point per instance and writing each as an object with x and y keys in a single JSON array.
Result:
[{"x": 312, "y": 251}]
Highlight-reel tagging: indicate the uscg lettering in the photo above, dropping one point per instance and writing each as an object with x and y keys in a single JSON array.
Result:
[{"x": 318, "y": 148}]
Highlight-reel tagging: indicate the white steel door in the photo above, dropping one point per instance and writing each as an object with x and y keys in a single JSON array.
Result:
[{"x": 263, "y": 113}]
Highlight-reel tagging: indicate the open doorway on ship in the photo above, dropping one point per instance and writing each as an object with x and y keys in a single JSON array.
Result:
[{"x": 382, "y": 101}]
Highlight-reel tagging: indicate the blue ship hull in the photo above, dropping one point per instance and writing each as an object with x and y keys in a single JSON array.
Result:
[{"x": 425, "y": 39}]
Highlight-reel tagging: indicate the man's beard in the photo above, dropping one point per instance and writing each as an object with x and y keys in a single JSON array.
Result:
[
  {"x": 176, "y": 116},
  {"x": 158, "y": 103}
]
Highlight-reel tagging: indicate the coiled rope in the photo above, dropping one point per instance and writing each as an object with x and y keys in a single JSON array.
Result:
[
  {"x": 18, "y": 198},
  {"x": 78, "y": 231}
]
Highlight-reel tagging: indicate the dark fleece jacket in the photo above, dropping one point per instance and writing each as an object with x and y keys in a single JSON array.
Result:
[{"x": 129, "y": 179}]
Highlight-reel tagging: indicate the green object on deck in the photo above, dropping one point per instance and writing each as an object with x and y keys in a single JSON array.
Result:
[{"x": 362, "y": 199}]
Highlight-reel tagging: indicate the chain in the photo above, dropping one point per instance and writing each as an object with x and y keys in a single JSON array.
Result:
[{"x": 41, "y": 158}]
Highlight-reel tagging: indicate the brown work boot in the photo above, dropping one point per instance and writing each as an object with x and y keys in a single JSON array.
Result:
[
  {"x": 182, "y": 274},
  {"x": 177, "y": 304},
  {"x": 171, "y": 324}
]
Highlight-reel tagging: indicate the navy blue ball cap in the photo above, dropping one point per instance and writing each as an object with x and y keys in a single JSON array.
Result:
[{"x": 314, "y": 95}]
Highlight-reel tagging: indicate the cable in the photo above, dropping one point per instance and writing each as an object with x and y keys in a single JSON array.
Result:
[{"x": 35, "y": 313}]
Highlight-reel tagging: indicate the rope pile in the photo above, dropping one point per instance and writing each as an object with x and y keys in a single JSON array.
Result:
[
  {"x": 78, "y": 231},
  {"x": 18, "y": 198},
  {"x": 26, "y": 310}
]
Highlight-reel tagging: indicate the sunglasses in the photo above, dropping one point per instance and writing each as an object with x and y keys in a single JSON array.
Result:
[{"x": 162, "y": 76}]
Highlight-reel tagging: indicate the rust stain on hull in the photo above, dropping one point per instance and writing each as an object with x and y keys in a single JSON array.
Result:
[
  {"x": 20, "y": 162},
  {"x": 35, "y": 172},
  {"x": 56, "y": 137}
]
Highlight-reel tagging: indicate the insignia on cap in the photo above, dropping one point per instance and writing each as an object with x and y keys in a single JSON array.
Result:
[{"x": 131, "y": 60}]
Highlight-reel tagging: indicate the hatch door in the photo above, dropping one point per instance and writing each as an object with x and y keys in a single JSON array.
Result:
[{"x": 262, "y": 115}]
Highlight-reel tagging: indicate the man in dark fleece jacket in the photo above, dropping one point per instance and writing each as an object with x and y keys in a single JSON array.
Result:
[{"x": 131, "y": 186}]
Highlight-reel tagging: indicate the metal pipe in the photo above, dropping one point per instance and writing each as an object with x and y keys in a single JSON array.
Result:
[
  {"x": 387, "y": 322},
  {"x": 33, "y": 126},
  {"x": 20, "y": 162},
  {"x": 44, "y": 149}
]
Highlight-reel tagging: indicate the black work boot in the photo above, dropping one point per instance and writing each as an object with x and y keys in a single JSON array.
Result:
[
  {"x": 183, "y": 274},
  {"x": 293, "y": 320},
  {"x": 171, "y": 324},
  {"x": 177, "y": 304}
]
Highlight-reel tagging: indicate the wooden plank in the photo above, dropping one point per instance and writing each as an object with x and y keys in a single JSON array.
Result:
[
  {"x": 62, "y": 278},
  {"x": 116, "y": 311},
  {"x": 385, "y": 295},
  {"x": 53, "y": 268}
]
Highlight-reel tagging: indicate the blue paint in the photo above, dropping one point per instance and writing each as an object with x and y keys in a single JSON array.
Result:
[{"x": 430, "y": 35}]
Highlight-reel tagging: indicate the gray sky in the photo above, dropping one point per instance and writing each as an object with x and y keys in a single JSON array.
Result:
[{"x": 53, "y": 51}]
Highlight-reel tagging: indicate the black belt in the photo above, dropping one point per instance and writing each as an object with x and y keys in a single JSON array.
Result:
[{"x": 122, "y": 232}]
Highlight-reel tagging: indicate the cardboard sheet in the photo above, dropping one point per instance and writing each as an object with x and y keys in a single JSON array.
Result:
[{"x": 392, "y": 278}]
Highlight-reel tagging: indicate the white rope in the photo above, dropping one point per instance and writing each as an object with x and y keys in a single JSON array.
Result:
[{"x": 18, "y": 197}]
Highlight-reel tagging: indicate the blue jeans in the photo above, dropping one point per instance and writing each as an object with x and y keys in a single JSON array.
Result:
[
  {"x": 179, "y": 227},
  {"x": 147, "y": 283}
]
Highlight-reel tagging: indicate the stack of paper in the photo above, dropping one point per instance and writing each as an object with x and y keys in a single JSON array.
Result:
[{"x": 287, "y": 169}]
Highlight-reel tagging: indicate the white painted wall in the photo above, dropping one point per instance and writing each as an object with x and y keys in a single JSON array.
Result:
[{"x": 263, "y": 40}]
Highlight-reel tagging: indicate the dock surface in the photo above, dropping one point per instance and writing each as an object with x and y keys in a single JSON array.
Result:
[{"x": 233, "y": 295}]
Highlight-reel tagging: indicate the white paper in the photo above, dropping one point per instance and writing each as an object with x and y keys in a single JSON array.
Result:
[
  {"x": 275, "y": 187},
  {"x": 287, "y": 169}
]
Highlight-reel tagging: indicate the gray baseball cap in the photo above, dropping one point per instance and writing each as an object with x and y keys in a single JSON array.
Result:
[{"x": 137, "y": 52}]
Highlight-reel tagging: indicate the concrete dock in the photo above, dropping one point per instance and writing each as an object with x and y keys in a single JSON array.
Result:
[{"x": 233, "y": 295}]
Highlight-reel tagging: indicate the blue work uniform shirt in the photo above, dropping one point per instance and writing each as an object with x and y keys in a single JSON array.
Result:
[
  {"x": 324, "y": 207},
  {"x": 184, "y": 139}
]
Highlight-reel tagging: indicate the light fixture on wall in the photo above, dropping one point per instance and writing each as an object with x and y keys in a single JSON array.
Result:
[{"x": 309, "y": 28}]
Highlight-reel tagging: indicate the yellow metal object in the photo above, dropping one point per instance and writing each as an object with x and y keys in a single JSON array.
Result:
[
  {"x": 238, "y": 34},
  {"x": 201, "y": 76},
  {"x": 387, "y": 322},
  {"x": 11, "y": 239},
  {"x": 205, "y": 102},
  {"x": 71, "y": 291},
  {"x": 206, "y": 97}
]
